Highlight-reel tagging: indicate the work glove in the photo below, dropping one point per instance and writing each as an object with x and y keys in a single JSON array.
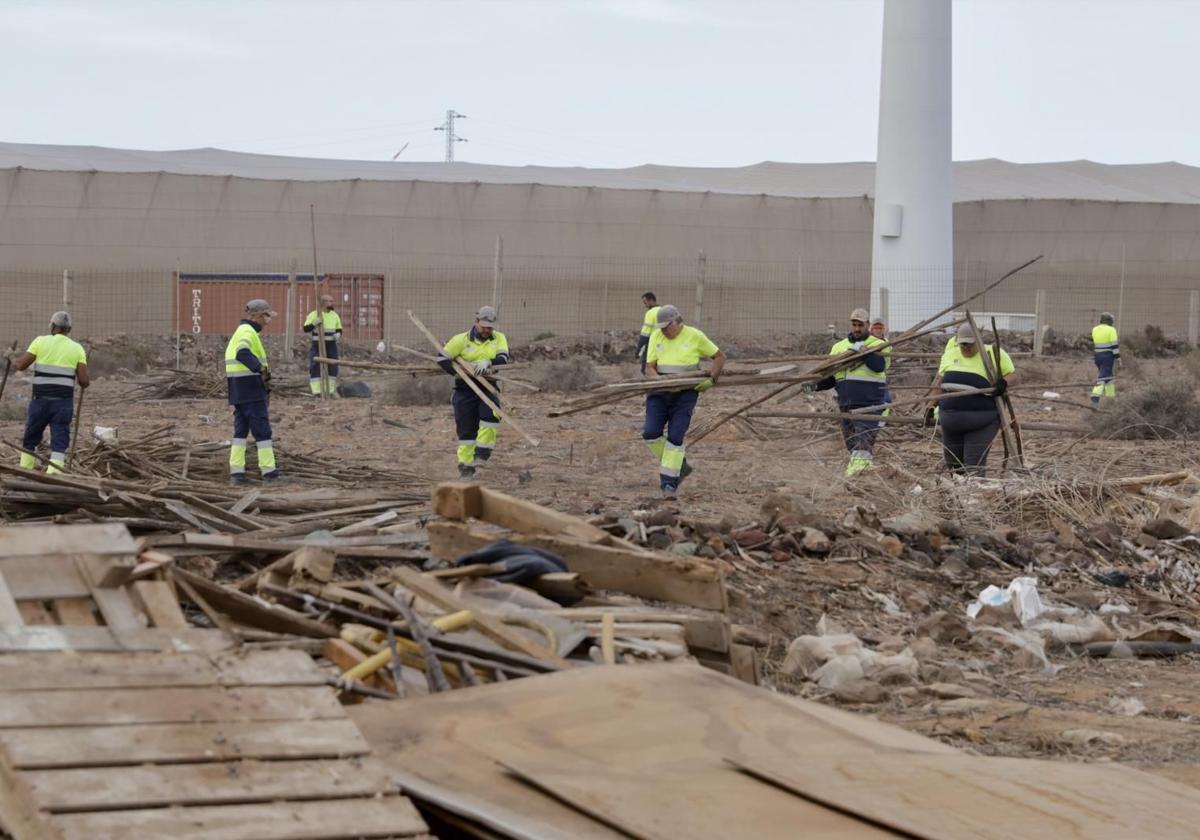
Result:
[
  {"x": 706, "y": 384},
  {"x": 826, "y": 383},
  {"x": 930, "y": 418},
  {"x": 1000, "y": 387},
  {"x": 482, "y": 366}
]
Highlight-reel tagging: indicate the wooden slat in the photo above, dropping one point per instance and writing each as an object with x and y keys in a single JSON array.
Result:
[
  {"x": 392, "y": 816},
  {"x": 74, "y": 612},
  {"x": 44, "y": 578},
  {"x": 680, "y": 580},
  {"x": 461, "y": 500},
  {"x": 45, "y": 540},
  {"x": 124, "y": 706},
  {"x": 19, "y": 816},
  {"x": 42, "y": 671},
  {"x": 706, "y": 629},
  {"x": 114, "y": 603},
  {"x": 9, "y": 614},
  {"x": 218, "y": 783},
  {"x": 253, "y": 612},
  {"x": 83, "y": 746},
  {"x": 160, "y": 604},
  {"x": 34, "y": 638}
]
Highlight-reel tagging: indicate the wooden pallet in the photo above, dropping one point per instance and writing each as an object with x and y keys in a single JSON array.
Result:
[
  {"x": 70, "y": 587},
  {"x": 243, "y": 744}
]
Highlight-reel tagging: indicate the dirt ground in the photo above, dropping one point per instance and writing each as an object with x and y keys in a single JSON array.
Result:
[{"x": 975, "y": 693}]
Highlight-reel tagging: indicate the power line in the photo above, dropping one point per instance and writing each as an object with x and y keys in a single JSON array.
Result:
[{"x": 451, "y": 137}]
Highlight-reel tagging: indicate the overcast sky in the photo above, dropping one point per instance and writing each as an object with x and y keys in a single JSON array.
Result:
[{"x": 591, "y": 82}]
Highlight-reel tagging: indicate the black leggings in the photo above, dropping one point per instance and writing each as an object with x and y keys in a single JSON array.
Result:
[{"x": 966, "y": 437}]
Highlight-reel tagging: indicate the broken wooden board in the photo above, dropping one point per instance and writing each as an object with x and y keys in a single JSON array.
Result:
[
  {"x": 35, "y": 637},
  {"x": 464, "y": 500},
  {"x": 42, "y": 540},
  {"x": 946, "y": 797},
  {"x": 662, "y": 577},
  {"x": 651, "y": 739},
  {"x": 254, "y": 612}
]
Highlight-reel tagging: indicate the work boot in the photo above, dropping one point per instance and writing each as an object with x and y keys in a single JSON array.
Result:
[
  {"x": 685, "y": 470},
  {"x": 670, "y": 492},
  {"x": 466, "y": 472},
  {"x": 481, "y": 456},
  {"x": 273, "y": 476},
  {"x": 1095, "y": 401},
  {"x": 237, "y": 479}
]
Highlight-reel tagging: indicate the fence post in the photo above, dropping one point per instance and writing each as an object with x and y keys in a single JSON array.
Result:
[
  {"x": 604, "y": 314},
  {"x": 1194, "y": 318},
  {"x": 289, "y": 329},
  {"x": 1039, "y": 322},
  {"x": 800, "y": 291},
  {"x": 700, "y": 269},
  {"x": 882, "y": 315},
  {"x": 498, "y": 274},
  {"x": 66, "y": 302}
]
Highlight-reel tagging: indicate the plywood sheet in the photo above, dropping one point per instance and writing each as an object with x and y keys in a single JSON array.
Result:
[
  {"x": 45, "y": 540},
  {"x": 950, "y": 797}
]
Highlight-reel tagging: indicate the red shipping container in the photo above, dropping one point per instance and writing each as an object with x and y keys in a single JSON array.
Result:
[{"x": 213, "y": 304}]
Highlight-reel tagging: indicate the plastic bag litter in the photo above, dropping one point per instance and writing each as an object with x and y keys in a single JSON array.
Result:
[
  {"x": 107, "y": 434},
  {"x": 838, "y": 672},
  {"x": 806, "y": 654},
  {"x": 1021, "y": 593},
  {"x": 1027, "y": 641},
  {"x": 1080, "y": 631}
]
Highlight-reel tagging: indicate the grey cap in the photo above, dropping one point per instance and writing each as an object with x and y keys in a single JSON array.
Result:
[
  {"x": 258, "y": 305},
  {"x": 487, "y": 315},
  {"x": 1107, "y": 318},
  {"x": 861, "y": 315},
  {"x": 667, "y": 314},
  {"x": 966, "y": 335},
  {"x": 61, "y": 319}
]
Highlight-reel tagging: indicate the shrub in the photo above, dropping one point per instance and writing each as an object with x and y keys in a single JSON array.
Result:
[
  {"x": 574, "y": 374},
  {"x": 1166, "y": 408}
]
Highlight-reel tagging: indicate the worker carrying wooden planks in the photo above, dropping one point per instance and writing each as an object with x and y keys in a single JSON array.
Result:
[
  {"x": 59, "y": 364},
  {"x": 331, "y": 321},
  {"x": 248, "y": 375},
  {"x": 482, "y": 348},
  {"x": 675, "y": 348}
]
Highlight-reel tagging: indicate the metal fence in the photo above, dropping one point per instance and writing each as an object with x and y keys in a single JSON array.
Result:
[{"x": 540, "y": 296}]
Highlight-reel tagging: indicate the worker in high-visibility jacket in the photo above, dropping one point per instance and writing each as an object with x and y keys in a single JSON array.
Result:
[
  {"x": 969, "y": 424},
  {"x": 59, "y": 364},
  {"x": 862, "y": 386},
  {"x": 483, "y": 348},
  {"x": 649, "y": 325},
  {"x": 1106, "y": 349},
  {"x": 248, "y": 376},
  {"x": 332, "y": 322},
  {"x": 675, "y": 349}
]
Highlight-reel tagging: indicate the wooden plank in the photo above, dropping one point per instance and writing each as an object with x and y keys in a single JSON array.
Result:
[
  {"x": 391, "y": 816},
  {"x": 45, "y": 540},
  {"x": 433, "y": 592},
  {"x": 83, "y": 746},
  {"x": 680, "y": 580},
  {"x": 946, "y": 797},
  {"x": 19, "y": 817},
  {"x": 743, "y": 661},
  {"x": 124, "y": 706},
  {"x": 706, "y": 629},
  {"x": 215, "y": 783},
  {"x": 461, "y": 500},
  {"x": 160, "y": 604},
  {"x": 43, "y": 671},
  {"x": 236, "y": 542},
  {"x": 35, "y": 613},
  {"x": 34, "y": 638},
  {"x": 114, "y": 604},
  {"x": 9, "y": 614},
  {"x": 44, "y": 578},
  {"x": 74, "y": 612},
  {"x": 253, "y": 612}
]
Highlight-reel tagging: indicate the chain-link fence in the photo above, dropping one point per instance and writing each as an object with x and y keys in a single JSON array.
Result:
[{"x": 539, "y": 297}]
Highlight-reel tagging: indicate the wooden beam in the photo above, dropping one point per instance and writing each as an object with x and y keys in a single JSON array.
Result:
[
  {"x": 462, "y": 500},
  {"x": 250, "y": 611},
  {"x": 680, "y": 580}
]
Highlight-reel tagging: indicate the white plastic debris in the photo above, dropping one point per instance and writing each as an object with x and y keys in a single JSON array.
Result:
[
  {"x": 105, "y": 433},
  {"x": 381, "y": 347},
  {"x": 1051, "y": 395},
  {"x": 1021, "y": 593}
]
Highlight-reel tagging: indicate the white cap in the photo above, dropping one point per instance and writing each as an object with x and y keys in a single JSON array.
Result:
[
  {"x": 487, "y": 316},
  {"x": 61, "y": 319},
  {"x": 667, "y": 314},
  {"x": 259, "y": 305}
]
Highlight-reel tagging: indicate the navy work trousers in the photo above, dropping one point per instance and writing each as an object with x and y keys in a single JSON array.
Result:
[{"x": 55, "y": 413}]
